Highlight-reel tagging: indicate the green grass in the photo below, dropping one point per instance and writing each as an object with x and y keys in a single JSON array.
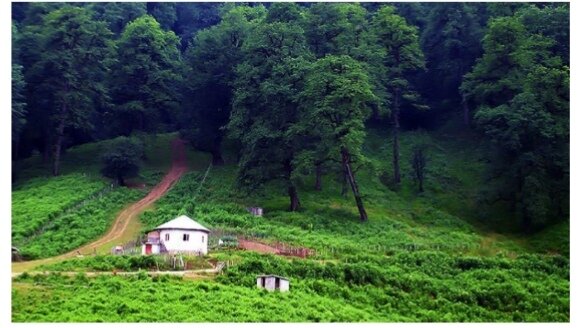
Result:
[
  {"x": 74, "y": 229},
  {"x": 552, "y": 240},
  {"x": 125, "y": 263},
  {"x": 85, "y": 159},
  {"x": 433, "y": 256},
  {"x": 41, "y": 200},
  {"x": 53, "y": 215},
  {"x": 409, "y": 286}
]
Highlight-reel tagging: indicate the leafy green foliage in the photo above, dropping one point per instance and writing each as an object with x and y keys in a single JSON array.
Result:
[
  {"x": 125, "y": 263},
  {"x": 522, "y": 90},
  {"x": 211, "y": 60},
  {"x": 417, "y": 286},
  {"x": 18, "y": 88},
  {"x": 275, "y": 78},
  {"x": 71, "y": 69},
  {"x": 266, "y": 108},
  {"x": 402, "y": 55},
  {"x": 335, "y": 107},
  {"x": 79, "y": 226},
  {"x": 118, "y": 14},
  {"x": 18, "y": 101},
  {"x": 451, "y": 42},
  {"x": 123, "y": 159},
  {"x": 40, "y": 200},
  {"x": 145, "y": 77},
  {"x": 412, "y": 261}
]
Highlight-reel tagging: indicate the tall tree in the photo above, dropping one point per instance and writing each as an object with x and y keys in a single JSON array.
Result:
[
  {"x": 418, "y": 164},
  {"x": 36, "y": 134},
  {"x": 163, "y": 12},
  {"x": 122, "y": 159},
  {"x": 192, "y": 17},
  {"x": 18, "y": 99},
  {"x": 343, "y": 29},
  {"x": 402, "y": 56},
  {"x": 336, "y": 101},
  {"x": 265, "y": 107},
  {"x": 211, "y": 60},
  {"x": 551, "y": 22},
  {"x": 18, "y": 103},
  {"x": 118, "y": 14},
  {"x": 521, "y": 88},
  {"x": 495, "y": 79},
  {"x": 74, "y": 49},
  {"x": 451, "y": 42},
  {"x": 146, "y": 77}
]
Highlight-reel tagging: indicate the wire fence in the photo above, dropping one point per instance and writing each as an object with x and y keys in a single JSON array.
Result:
[{"x": 53, "y": 217}]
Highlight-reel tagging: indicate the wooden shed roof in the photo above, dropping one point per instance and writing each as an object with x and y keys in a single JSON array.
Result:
[{"x": 272, "y": 275}]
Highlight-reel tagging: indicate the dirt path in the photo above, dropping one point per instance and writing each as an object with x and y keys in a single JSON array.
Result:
[
  {"x": 127, "y": 217},
  {"x": 186, "y": 273},
  {"x": 257, "y": 247}
]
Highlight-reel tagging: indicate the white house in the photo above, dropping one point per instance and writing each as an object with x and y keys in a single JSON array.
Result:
[
  {"x": 181, "y": 235},
  {"x": 272, "y": 282}
]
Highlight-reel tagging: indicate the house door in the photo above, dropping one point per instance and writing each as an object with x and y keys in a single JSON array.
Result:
[{"x": 148, "y": 248}]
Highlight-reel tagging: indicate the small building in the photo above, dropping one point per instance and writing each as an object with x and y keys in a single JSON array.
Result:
[
  {"x": 181, "y": 235},
  {"x": 272, "y": 282},
  {"x": 255, "y": 211}
]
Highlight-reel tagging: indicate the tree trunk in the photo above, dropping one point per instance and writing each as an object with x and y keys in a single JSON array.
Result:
[
  {"x": 466, "y": 112},
  {"x": 318, "y": 185},
  {"x": 396, "y": 148},
  {"x": 15, "y": 145},
  {"x": 344, "y": 183},
  {"x": 120, "y": 180},
  {"x": 294, "y": 199},
  {"x": 421, "y": 185},
  {"x": 59, "y": 141},
  {"x": 526, "y": 222},
  {"x": 353, "y": 185},
  {"x": 217, "y": 156},
  {"x": 47, "y": 148}
]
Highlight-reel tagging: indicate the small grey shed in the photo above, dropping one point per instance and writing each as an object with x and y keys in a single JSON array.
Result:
[{"x": 272, "y": 282}]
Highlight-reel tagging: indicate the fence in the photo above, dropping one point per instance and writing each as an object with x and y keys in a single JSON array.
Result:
[
  {"x": 133, "y": 247},
  {"x": 216, "y": 235},
  {"x": 53, "y": 217}
]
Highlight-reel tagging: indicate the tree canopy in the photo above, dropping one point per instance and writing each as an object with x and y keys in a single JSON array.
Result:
[{"x": 287, "y": 90}]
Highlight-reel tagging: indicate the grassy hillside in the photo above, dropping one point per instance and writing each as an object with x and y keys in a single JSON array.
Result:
[
  {"x": 53, "y": 215},
  {"x": 85, "y": 159},
  {"x": 421, "y": 257},
  {"x": 39, "y": 200}
]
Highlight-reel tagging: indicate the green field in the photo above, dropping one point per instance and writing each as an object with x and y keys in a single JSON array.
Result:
[
  {"x": 38, "y": 201},
  {"x": 418, "y": 258},
  {"x": 76, "y": 228},
  {"x": 53, "y": 215}
]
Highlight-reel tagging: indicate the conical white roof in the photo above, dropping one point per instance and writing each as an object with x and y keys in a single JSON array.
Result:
[{"x": 182, "y": 222}]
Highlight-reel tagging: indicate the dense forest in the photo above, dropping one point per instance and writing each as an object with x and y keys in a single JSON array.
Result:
[{"x": 295, "y": 87}]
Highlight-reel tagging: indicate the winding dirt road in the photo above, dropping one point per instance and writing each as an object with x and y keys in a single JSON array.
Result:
[{"x": 129, "y": 216}]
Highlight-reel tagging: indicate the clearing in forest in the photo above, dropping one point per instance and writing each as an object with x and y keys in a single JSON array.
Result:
[{"x": 126, "y": 224}]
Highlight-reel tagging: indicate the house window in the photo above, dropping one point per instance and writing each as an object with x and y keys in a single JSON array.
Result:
[
  {"x": 185, "y": 237},
  {"x": 167, "y": 237},
  {"x": 203, "y": 239}
]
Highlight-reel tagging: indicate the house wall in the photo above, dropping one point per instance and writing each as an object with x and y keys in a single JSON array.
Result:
[
  {"x": 270, "y": 284},
  {"x": 176, "y": 243},
  {"x": 155, "y": 249},
  {"x": 283, "y": 285}
]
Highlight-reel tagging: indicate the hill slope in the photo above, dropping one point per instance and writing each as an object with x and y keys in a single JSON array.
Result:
[{"x": 417, "y": 259}]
